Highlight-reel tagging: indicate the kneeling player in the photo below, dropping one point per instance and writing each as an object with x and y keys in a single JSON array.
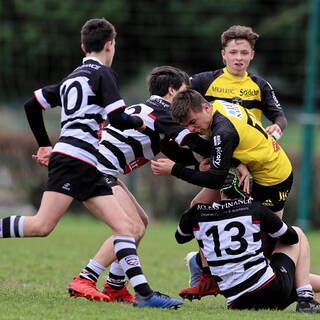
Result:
[{"x": 228, "y": 233}]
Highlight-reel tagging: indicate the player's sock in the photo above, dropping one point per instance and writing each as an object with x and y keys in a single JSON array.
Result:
[
  {"x": 12, "y": 227},
  {"x": 92, "y": 271},
  {"x": 305, "y": 291},
  {"x": 126, "y": 251},
  {"x": 116, "y": 277}
]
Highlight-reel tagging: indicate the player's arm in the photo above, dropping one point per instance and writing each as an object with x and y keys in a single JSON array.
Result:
[
  {"x": 271, "y": 108},
  {"x": 34, "y": 113},
  {"x": 121, "y": 120},
  {"x": 182, "y": 136},
  {"x": 184, "y": 232},
  {"x": 276, "y": 228},
  {"x": 104, "y": 86},
  {"x": 178, "y": 154},
  {"x": 220, "y": 162}
]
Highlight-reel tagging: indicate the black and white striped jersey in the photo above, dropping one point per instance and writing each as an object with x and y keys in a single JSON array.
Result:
[
  {"x": 86, "y": 97},
  {"x": 124, "y": 151},
  {"x": 229, "y": 236}
]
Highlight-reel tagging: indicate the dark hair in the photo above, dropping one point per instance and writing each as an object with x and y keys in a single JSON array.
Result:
[
  {"x": 239, "y": 32},
  {"x": 230, "y": 187},
  {"x": 161, "y": 78},
  {"x": 95, "y": 33},
  {"x": 184, "y": 101}
]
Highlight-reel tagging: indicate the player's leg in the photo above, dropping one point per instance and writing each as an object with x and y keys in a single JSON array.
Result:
[
  {"x": 52, "y": 208},
  {"x": 206, "y": 195},
  {"x": 299, "y": 253},
  {"x": 194, "y": 259},
  {"x": 109, "y": 210},
  {"x": 116, "y": 285}
]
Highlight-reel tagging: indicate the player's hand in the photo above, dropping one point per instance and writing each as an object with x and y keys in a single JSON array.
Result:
[
  {"x": 162, "y": 167},
  {"x": 204, "y": 165},
  {"x": 143, "y": 126},
  {"x": 243, "y": 175},
  {"x": 43, "y": 156},
  {"x": 274, "y": 131}
]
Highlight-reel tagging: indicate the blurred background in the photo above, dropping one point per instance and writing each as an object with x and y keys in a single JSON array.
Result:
[{"x": 40, "y": 44}]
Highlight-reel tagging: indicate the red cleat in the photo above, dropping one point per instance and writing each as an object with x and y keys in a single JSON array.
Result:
[
  {"x": 86, "y": 288},
  {"x": 206, "y": 286},
  {"x": 118, "y": 295}
]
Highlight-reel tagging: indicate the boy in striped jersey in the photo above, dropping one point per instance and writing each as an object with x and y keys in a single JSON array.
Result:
[
  {"x": 228, "y": 233},
  {"x": 126, "y": 151},
  {"x": 87, "y": 97}
]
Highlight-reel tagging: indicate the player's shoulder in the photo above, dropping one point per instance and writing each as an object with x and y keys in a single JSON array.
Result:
[
  {"x": 257, "y": 79},
  {"x": 207, "y": 75}
]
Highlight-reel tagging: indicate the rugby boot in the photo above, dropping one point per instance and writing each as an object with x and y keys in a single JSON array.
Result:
[
  {"x": 86, "y": 288},
  {"x": 308, "y": 305},
  {"x": 207, "y": 285},
  {"x": 118, "y": 295},
  {"x": 156, "y": 300}
]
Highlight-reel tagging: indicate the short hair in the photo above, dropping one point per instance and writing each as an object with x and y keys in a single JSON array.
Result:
[
  {"x": 184, "y": 101},
  {"x": 239, "y": 32},
  {"x": 161, "y": 78},
  {"x": 230, "y": 187},
  {"x": 95, "y": 33}
]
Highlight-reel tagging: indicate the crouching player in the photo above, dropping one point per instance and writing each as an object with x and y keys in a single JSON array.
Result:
[{"x": 228, "y": 233}]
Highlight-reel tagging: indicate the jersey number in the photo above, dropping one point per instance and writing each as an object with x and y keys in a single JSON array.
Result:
[
  {"x": 255, "y": 125},
  {"x": 235, "y": 238},
  {"x": 76, "y": 95}
]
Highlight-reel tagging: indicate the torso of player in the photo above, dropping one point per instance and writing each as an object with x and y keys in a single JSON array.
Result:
[
  {"x": 128, "y": 150},
  {"x": 263, "y": 156},
  {"x": 246, "y": 90},
  {"x": 86, "y": 96}
]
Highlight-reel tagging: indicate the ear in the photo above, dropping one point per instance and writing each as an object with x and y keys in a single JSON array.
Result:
[
  {"x": 252, "y": 54},
  {"x": 171, "y": 91},
  {"x": 206, "y": 107},
  {"x": 83, "y": 48},
  {"x": 107, "y": 45}
]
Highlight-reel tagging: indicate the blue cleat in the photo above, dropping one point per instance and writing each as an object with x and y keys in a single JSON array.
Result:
[
  {"x": 156, "y": 300},
  {"x": 194, "y": 268}
]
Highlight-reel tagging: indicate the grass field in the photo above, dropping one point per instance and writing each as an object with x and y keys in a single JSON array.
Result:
[{"x": 34, "y": 274}]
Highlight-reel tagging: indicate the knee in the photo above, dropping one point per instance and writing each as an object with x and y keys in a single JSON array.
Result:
[
  {"x": 139, "y": 230},
  {"x": 40, "y": 229}
]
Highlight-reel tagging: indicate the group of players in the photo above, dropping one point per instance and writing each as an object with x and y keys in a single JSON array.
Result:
[{"x": 216, "y": 115}]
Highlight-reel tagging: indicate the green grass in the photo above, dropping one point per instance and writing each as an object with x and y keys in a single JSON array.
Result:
[{"x": 34, "y": 274}]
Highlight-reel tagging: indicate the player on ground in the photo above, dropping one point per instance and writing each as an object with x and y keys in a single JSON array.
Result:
[
  {"x": 229, "y": 234},
  {"x": 87, "y": 96},
  {"x": 127, "y": 150}
]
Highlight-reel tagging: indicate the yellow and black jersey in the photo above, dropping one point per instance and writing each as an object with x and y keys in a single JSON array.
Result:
[
  {"x": 250, "y": 91},
  {"x": 236, "y": 133}
]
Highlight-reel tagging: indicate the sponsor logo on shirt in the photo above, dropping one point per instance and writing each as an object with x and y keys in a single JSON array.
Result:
[
  {"x": 222, "y": 90},
  {"x": 216, "y": 140},
  {"x": 66, "y": 186},
  {"x": 217, "y": 160},
  {"x": 248, "y": 93}
]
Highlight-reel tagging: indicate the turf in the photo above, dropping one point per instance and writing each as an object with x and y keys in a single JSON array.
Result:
[{"x": 34, "y": 274}]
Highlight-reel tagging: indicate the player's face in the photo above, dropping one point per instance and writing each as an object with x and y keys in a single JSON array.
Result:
[
  {"x": 198, "y": 121},
  {"x": 237, "y": 56}
]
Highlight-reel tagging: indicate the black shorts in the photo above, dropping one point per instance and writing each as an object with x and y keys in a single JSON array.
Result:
[
  {"x": 273, "y": 197},
  {"x": 75, "y": 178},
  {"x": 278, "y": 294}
]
